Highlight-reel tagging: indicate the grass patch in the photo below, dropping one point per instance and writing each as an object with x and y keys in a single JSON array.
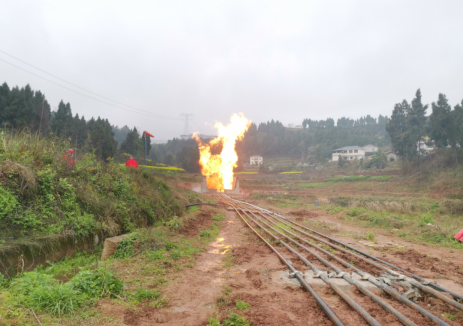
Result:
[
  {"x": 241, "y": 305},
  {"x": 358, "y": 178},
  {"x": 314, "y": 185}
]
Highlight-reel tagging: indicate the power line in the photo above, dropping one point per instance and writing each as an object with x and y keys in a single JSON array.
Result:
[{"x": 154, "y": 115}]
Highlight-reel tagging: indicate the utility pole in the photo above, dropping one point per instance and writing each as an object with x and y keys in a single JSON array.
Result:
[{"x": 186, "y": 130}]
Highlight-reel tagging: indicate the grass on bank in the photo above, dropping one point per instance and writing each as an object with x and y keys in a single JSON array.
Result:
[
  {"x": 42, "y": 195},
  {"x": 66, "y": 292},
  {"x": 423, "y": 222}
]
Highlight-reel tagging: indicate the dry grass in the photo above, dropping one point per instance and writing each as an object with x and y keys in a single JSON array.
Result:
[{"x": 386, "y": 206}]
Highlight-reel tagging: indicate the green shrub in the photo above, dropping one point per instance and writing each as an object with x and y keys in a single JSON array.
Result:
[
  {"x": 425, "y": 219},
  {"x": 170, "y": 246},
  {"x": 8, "y": 204},
  {"x": 97, "y": 283},
  {"x": 235, "y": 320},
  {"x": 56, "y": 299},
  {"x": 241, "y": 305}
]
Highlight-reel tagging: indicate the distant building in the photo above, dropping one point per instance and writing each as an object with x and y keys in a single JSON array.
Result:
[
  {"x": 391, "y": 156},
  {"x": 422, "y": 147},
  {"x": 257, "y": 160},
  {"x": 348, "y": 153},
  {"x": 370, "y": 149}
]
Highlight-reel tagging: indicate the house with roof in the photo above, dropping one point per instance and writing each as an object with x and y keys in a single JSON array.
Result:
[
  {"x": 370, "y": 149},
  {"x": 348, "y": 153},
  {"x": 256, "y": 160},
  {"x": 391, "y": 156}
]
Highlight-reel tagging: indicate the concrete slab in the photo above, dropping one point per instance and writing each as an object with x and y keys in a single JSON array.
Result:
[{"x": 282, "y": 278}]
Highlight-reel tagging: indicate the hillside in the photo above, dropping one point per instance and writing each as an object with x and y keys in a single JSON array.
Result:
[{"x": 43, "y": 196}]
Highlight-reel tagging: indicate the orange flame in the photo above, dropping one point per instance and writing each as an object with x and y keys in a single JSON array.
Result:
[{"x": 219, "y": 168}]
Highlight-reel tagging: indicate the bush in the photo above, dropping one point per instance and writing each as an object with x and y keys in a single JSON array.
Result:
[
  {"x": 56, "y": 299},
  {"x": 42, "y": 292},
  {"x": 97, "y": 283}
]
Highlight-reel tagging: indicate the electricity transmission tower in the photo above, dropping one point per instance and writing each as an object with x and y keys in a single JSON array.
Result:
[{"x": 187, "y": 117}]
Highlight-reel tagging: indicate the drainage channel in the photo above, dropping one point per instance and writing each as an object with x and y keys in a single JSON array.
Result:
[{"x": 298, "y": 239}]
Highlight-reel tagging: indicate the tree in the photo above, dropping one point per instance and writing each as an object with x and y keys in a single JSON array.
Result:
[
  {"x": 442, "y": 130},
  {"x": 397, "y": 128},
  {"x": 133, "y": 144},
  {"x": 19, "y": 110},
  {"x": 78, "y": 131},
  {"x": 61, "y": 123},
  {"x": 102, "y": 139},
  {"x": 416, "y": 120},
  {"x": 41, "y": 119},
  {"x": 407, "y": 126}
]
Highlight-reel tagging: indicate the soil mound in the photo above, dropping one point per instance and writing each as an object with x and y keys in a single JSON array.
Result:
[
  {"x": 303, "y": 213},
  {"x": 244, "y": 254},
  {"x": 413, "y": 258},
  {"x": 192, "y": 226}
]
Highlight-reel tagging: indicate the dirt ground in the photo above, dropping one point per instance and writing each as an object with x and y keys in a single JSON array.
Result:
[{"x": 237, "y": 266}]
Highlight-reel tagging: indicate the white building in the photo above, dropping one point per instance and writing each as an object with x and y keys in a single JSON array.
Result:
[
  {"x": 370, "y": 148},
  {"x": 422, "y": 147},
  {"x": 391, "y": 156},
  {"x": 348, "y": 153},
  {"x": 257, "y": 160}
]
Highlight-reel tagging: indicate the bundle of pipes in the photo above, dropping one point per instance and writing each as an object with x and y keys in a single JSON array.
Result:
[{"x": 270, "y": 223}]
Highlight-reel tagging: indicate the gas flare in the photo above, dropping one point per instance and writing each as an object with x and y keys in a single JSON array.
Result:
[{"x": 219, "y": 167}]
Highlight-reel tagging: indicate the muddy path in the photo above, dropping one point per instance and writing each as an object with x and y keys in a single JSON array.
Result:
[{"x": 238, "y": 267}]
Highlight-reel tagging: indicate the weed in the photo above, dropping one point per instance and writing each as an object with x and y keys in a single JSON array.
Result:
[
  {"x": 449, "y": 316},
  {"x": 143, "y": 294},
  {"x": 192, "y": 209},
  {"x": 124, "y": 248},
  {"x": 174, "y": 223},
  {"x": 235, "y": 320},
  {"x": 205, "y": 233},
  {"x": 155, "y": 254},
  {"x": 335, "y": 210},
  {"x": 219, "y": 217},
  {"x": 425, "y": 219},
  {"x": 97, "y": 283},
  {"x": 170, "y": 246},
  {"x": 175, "y": 254},
  {"x": 370, "y": 236},
  {"x": 241, "y": 305},
  {"x": 228, "y": 260},
  {"x": 225, "y": 298}
]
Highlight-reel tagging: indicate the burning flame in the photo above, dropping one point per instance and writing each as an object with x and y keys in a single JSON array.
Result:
[{"x": 219, "y": 168}]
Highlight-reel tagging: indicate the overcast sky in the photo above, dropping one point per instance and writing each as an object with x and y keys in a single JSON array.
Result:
[{"x": 282, "y": 60}]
